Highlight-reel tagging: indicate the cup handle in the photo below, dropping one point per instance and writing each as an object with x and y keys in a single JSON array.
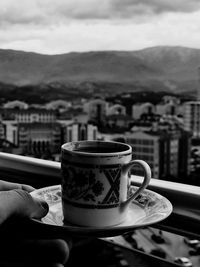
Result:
[{"x": 147, "y": 177}]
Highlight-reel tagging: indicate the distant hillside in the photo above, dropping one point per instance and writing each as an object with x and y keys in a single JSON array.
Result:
[{"x": 174, "y": 68}]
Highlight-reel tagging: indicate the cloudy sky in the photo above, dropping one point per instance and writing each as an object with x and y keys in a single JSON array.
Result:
[{"x": 61, "y": 26}]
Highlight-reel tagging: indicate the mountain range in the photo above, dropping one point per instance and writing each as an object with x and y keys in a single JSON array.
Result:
[{"x": 172, "y": 68}]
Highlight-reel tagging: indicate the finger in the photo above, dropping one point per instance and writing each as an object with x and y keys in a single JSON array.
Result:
[
  {"x": 26, "y": 187},
  {"x": 20, "y": 203},
  {"x": 4, "y": 186},
  {"x": 34, "y": 251}
]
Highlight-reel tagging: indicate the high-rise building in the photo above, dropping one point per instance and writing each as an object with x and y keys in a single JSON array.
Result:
[
  {"x": 159, "y": 150},
  {"x": 166, "y": 150},
  {"x": 146, "y": 147},
  {"x": 198, "y": 87},
  {"x": 191, "y": 113},
  {"x": 192, "y": 118}
]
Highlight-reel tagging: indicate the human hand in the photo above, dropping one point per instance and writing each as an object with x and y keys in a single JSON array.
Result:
[{"x": 16, "y": 202}]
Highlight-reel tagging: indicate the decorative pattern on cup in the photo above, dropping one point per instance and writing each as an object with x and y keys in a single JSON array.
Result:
[{"x": 81, "y": 186}]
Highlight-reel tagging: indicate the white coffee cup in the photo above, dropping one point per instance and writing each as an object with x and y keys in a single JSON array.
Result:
[{"x": 96, "y": 182}]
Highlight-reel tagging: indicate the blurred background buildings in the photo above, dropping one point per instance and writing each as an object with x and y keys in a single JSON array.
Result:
[{"x": 160, "y": 134}]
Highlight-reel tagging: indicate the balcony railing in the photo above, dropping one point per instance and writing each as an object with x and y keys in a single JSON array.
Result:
[{"x": 184, "y": 220}]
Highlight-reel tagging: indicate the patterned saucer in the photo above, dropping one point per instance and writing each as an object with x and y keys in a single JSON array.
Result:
[{"x": 148, "y": 208}]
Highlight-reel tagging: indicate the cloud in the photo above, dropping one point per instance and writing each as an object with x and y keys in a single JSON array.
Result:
[
  {"x": 23, "y": 12},
  {"x": 131, "y": 8},
  {"x": 115, "y": 9},
  {"x": 49, "y": 12},
  {"x": 50, "y": 26},
  {"x": 172, "y": 29},
  {"x": 83, "y": 9}
]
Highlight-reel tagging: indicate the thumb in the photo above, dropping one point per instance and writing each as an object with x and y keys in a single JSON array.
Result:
[{"x": 20, "y": 203}]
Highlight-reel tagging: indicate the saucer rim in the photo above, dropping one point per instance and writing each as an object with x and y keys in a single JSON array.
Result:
[{"x": 102, "y": 231}]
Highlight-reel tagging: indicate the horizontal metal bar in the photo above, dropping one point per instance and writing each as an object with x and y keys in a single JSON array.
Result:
[{"x": 36, "y": 172}]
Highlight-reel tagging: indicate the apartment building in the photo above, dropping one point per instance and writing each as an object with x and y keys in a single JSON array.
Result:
[
  {"x": 9, "y": 131},
  {"x": 168, "y": 106},
  {"x": 39, "y": 138},
  {"x": 60, "y": 105},
  {"x": 167, "y": 153},
  {"x": 192, "y": 118},
  {"x": 146, "y": 147},
  {"x": 2, "y": 130},
  {"x": 79, "y": 131},
  {"x": 30, "y": 115},
  {"x": 142, "y": 108},
  {"x": 96, "y": 110},
  {"x": 35, "y": 116},
  {"x": 116, "y": 109}
]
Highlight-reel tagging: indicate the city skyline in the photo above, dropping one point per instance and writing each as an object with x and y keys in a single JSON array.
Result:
[{"x": 55, "y": 27}]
